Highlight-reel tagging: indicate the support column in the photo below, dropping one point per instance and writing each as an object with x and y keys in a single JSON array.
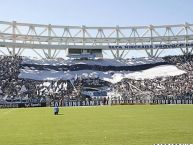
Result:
[
  {"x": 151, "y": 51},
  {"x": 83, "y": 34},
  {"x": 14, "y": 37},
  {"x": 117, "y": 51},
  {"x": 186, "y": 35},
  {"x": 49, "y": 42}
]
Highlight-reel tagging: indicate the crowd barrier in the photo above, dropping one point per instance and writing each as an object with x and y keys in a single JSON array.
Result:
[
  {"x": 21, "y": 105},
  {"x": 10, "y": 105},
  {"x": 98, "y": 103},
  {"x": 120, "y": 102},
  {"x": 152, "y": 101}
]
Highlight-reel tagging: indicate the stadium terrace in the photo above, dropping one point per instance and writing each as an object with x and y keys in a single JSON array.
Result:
[{"x": 31, "y": 82}]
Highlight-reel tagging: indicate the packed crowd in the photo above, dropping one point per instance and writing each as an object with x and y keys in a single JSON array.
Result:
[
  {"x": 184, "y": 62},
  {"x": 13, "y": 88},
  {"x": 159, "y": 88},
  {"x": 9, "y": 71},
  {"x": 173, "y": 87}
]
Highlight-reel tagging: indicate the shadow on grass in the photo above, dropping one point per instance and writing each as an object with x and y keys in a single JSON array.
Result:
[{"x": 58, "y": 114}]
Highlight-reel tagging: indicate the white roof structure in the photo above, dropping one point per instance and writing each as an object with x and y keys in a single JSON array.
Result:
[{"x": 16, "y": 37}]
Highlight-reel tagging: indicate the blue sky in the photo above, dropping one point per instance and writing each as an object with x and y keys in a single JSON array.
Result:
[{"x": 98, "y": 12}]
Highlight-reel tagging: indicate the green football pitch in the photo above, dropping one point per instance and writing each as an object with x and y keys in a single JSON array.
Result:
[{"x": 103, "y": 125}]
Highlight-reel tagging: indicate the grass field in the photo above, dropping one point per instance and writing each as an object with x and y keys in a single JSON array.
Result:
[{"x": 104, "y": 125}]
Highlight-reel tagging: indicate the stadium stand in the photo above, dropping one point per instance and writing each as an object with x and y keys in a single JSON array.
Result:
[{"x": 22, "y": 82}]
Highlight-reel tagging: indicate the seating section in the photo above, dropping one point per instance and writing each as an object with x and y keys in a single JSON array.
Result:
[{"x": 13, "y": 87}]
